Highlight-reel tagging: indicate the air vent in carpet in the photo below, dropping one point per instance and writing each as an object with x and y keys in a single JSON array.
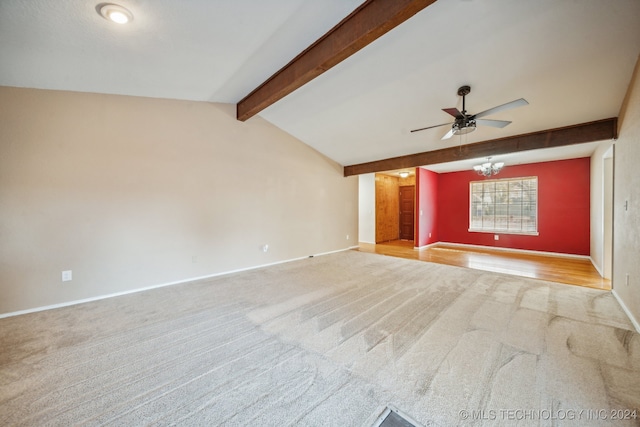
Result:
[{"x": 392, "y": 417}]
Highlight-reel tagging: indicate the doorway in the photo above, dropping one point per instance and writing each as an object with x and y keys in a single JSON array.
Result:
[
  {"x": 389, "y": 189},
  {"x": 608, "y": 214},
  {"x": 407, "y": 210}
]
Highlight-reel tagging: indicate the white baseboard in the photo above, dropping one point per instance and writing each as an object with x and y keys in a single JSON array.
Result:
[
  {"x": 161, "y": 285},
  {"x": 626, "y": 311},
  {"x": 596, "y": 267},
  {"x": 524, "y": 251}
]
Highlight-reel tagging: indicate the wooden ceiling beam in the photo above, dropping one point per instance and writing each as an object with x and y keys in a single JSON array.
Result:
[
  {"x": 599, "y": 130},
  {"x": 369, "y": 21}
]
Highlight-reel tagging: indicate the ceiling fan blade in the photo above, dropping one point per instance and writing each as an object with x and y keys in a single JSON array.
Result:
[
  {"x": 431, "y": 127},
  {"x": 454, "y": 112},
  {"x": 447, "y": 135},
  {"x": 493, "y": 123},
  {"x": 513, "y": 104}
]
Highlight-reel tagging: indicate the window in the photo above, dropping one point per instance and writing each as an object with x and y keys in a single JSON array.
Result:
[{"x": 504, "y": 205}]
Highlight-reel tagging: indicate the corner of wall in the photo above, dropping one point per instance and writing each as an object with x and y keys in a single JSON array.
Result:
[{"x": 626, "y": 203}]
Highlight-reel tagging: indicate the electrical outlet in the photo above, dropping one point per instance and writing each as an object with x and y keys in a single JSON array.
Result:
[
  {"x": 67, "y": 275},
  {"x": 429, "y": 235},
  {"x": 347, "y": 237},
  {"x": 265, "y": 248},
  {"x": 496, "y": 237}
]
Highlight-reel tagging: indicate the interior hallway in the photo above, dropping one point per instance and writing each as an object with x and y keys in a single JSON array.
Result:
[{"x": 561, "y": 269}]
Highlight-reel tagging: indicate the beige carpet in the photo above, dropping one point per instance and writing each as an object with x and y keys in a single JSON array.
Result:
[{"x": 327, "y": 341}]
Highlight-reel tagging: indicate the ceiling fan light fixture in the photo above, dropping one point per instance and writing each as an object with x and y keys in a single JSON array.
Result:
[
  {"x": 463, "y": 127},
  {"x": 114, "y": 13},
  {"x": 403, "y": 174},
  {"x": 464, "y": 130}
]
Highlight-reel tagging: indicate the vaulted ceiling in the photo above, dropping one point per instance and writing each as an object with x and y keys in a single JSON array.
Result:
[{"x": 571, "y": 59}]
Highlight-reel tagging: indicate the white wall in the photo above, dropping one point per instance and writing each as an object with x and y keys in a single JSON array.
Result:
[
  {"x": 367, "y": 208},
  {"x": 626, "y": 226},
  {"x": 134, "y": 192},
  {"x": 597, "y": 197}
]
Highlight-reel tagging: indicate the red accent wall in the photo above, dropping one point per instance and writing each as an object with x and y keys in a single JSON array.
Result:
[
  {"x": 427, "y": 203},
  {"x": 563, "y": 208}
]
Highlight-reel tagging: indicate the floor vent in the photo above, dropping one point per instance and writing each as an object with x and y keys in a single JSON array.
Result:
[{"x": 393, "y": 417}]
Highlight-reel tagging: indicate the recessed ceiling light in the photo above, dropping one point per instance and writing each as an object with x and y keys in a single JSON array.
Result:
[{"x": 114, "y": 13}]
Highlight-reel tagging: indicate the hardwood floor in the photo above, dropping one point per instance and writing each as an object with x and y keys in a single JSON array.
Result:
[{"x": 569, "y": 270}]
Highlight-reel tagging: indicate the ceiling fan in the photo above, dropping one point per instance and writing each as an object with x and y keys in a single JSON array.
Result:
[{"x": 466, "y": 123}]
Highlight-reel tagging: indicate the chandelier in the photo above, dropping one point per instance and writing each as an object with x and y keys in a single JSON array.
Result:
[{"x": 488, "y": 168}]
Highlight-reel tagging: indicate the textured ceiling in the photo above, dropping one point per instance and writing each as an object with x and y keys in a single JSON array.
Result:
[
  {"x": 571, "y": 59},
  {"x": 203, "y": 50}
]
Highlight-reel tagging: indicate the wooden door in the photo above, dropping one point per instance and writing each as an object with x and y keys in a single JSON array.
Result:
[
  {"x": 387, "y": 208},
  {"x": 407, "y": 196}
]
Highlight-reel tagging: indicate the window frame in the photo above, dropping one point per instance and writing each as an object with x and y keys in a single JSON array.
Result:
[{"x": 503, "y": 231}]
